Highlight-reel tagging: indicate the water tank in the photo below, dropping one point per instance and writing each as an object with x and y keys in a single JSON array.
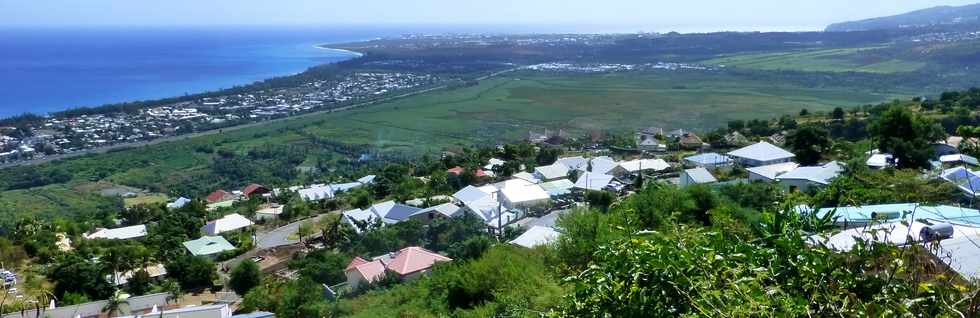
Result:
[{"x": 936, "y": 232}]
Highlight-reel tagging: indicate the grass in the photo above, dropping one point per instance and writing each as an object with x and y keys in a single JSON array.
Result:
[
  {"x": 831, "y": 60},
  {"x": 494, "y": 111},
  {"x": 144, "y": 199}
]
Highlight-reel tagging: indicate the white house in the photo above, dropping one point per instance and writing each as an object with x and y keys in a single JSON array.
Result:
[
  {"x": 442, "y": 211},
  {"x": 517, "y": 193},
  {"x": 806, "y": 178},
  {"x": 593, "y": 181},
  {"x": 536, "y": 236},
  {"x": 880, "y": 161},
  {"x": 122, "y": 233},
  {"x": 228, "y": 223},
  {"x": 551, "y": 172},
  {"x": 959, "y": 159},
  {"x": 638, "y": 165},
  {"x": 770, "y": 172},
  {"x": 696, "y": 176},
  {"x": 761, "y": 154},
  {"x": 709, "y": 160},
  {"x": 271, "y": 212},
  {"x": 574, "y": 163}
]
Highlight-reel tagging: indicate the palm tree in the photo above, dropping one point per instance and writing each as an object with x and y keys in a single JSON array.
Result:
[
  {"x": 115, "y": 303},
  {"x": 305, "y": 229}
]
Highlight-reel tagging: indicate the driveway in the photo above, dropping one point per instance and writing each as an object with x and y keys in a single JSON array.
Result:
[{"x": 280, "y": 236}]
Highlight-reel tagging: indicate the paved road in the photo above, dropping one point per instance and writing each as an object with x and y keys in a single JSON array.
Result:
[{"x": 280, "y": 236}]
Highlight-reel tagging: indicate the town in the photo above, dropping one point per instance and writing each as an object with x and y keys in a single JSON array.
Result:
[{"x": 56, "y": 136}]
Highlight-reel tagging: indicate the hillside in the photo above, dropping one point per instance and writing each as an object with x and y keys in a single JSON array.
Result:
[{"x": 942, "y": 15}]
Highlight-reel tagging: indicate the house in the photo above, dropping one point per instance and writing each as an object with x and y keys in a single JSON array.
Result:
[
  {"x": 209, "y": 246},
  {"x": 551, "y": 172},
  {"x": 527, "y": 177},
  {"x": 228, "y": 223},
  {"x": 736, "y": 139},
  {"x": 391, "y": 212},
  {"x": 517, "y": 193},
  {"x": 456, "y": 171},
  {"x": 558, "y": 187},
  {"x": 220, "y": 196},
  {"x": 880, "y": 161},
  {"x": 122, "y": 233},
  {"x": 536, "y": 236},
  {"x": 602, "y": 165},
  {"x": 316, "y": 192},
  {"x": 967, "y": 181},
  {"x": 574, "y": 163},
  {"x": 255, "y": 189},
  {"x": 959, "y": 159},
  {"x": 359, "y": 219},
  {"x": 408, "y": 263},
  {"x": 640, "y": 165},
  {"x": 590, "y": 181},
  {"x": 696, "y": 176},
  {"x": 709, "y": 160},
  {"x": 690, "y": 141},
  {"x": 761, "y": 154},
  {"x": 806, "y": 178},
  {"x": 154, "y": 271},
  {"x": 770, "y": 172},
  {"x": 205, "y": 311},
  {"x": 179, "y": 203},
  {"x": 442, "y": 211},
  {"x": 651, "y": 144},
  {"x": 493, "y": 163},
  {"x": 135, "y": 304},
  {"x": 944, "y": 148},
  {"x": 861, "y": 216},
  {"x": 269, "y": 212}
]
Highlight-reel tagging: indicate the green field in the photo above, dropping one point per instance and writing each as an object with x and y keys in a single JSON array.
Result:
[
  {"x": 494, "y": 111},
  {"x": 832, "y": 60}
]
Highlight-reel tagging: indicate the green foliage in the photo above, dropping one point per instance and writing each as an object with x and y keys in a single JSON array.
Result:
[
  {"x": 583, "y": 231},
  {"x": 77, "y": 275},
  {"x": 907, "y": 136},
  {"x": 192, "y": 272},
  {"x": 322, "y": 266},
  {"x": 244, "y": 277},
  {"x": 809, "y": 143},
  {"x": 600, "y": 199}
]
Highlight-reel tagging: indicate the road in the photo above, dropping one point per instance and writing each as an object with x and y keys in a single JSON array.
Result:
[
  {"x": 280, "y": 236},
  {"x": 234, "y": 128}
]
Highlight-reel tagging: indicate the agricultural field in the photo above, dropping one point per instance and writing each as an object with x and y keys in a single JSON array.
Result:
[
  {"x": 498, "y": 110},
  {"x": 830, "y": 60}
]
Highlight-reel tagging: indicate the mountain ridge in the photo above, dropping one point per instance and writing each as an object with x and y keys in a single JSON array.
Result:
[{"x": 940, "y": 15}]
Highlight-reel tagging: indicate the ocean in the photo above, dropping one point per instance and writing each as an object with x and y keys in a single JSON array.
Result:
[{"x": 45, "y": 70}]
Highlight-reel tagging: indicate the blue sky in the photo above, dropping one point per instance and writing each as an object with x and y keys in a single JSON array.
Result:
[{"x": 629, "y": 15}]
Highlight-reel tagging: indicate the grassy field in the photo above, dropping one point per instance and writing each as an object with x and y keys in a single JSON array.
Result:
[
  {"x": 494, "y": 111},
  {"x": 832, "y": 60},
  {"x": 144, "y": 199}
]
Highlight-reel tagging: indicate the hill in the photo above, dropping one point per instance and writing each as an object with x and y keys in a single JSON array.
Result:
[{"x": 942, "y": 15}]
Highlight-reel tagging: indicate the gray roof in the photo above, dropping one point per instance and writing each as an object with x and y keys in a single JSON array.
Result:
[
  {"x": 700, "y": 175},
  {"x": 710, "y": 158},
  {"x": 772, "y": 171},
  {"x": 394, "y": 212},
  {"x": 91, "y": 309},
  {"x": 762, "y": 151},
  {"x": 821, "y": 174},
  {"x": 446, "y": 209}
]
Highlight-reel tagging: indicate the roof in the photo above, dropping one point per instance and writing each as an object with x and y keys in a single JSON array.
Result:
[
  {"x": 528, "y": 177},
  {"x": 227, "y": 223},
  {"x": 208, "y": 245},
  {"x": 457, "y": 170},
  {"x": 536, "y": 236},
  {"x": 573, "y": 163},
  {"x": 470, "y": 193},
  {"x": 553, "y": 171},
  {"x": 368, "y": 179},
  {"x": 879, "y": 160},
  {"x": 257, "y": 314},
  {"x": 271, "y": 210},
  {"x": 700, "y": 175},
  {"x": 122, "y": 233},
  {"x": 891, "y": 212},
  {"x": 153, "y": 271},
  {"x": 520, "y": 191},
  {"x": 593, "y": 181},
  {"x": 558, "y": 187},
  {"x": 603, "y": 165},
  {"x": 895, "y": 233},
  {"x": 966, "y": 180},
  {"x": 645, "y": 164},
  {"x": 354, "y": 262},
  {"x": 93, "y": 309},
  {"x": 253, "y": 188},
  {"x": 414, "y": 259},
  {"x": 493, "y": 162},
  {"x": 370, "y": 270},
  {"x": 710, "y": 158},
  {"x": 392, "y": 212},
  {"x": 316, "y": 192},
  {"x": 762, "y": 151},
  {"x": 959, "y": 158},
  {"x": 219, "y": 195},
  {"x": 446, "y": 209},
  {"x": 772, "y": 171},
  {"x": 359, "y": 216},
  {"x": 204, "y": 311},
  {"x": 820, "y": 174},
  {"x": 179, "y": 203}
]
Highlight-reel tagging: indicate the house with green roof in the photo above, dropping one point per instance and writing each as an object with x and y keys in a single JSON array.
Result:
[{"x": 209, "y": 246}]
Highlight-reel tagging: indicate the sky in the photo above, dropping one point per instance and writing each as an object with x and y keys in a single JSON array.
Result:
[{"x": 592, "y": 15}]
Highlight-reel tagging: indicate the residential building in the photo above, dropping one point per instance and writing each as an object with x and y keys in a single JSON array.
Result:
[
  {"x": 209, "y": 246},
  {"x": 269, "y": 212},
  {"x": 770, "y": 172},
  {"x": 807, "y": 178},
  {"x": 520, "y": 194},
  {"x": 228, "y": 223},
  {"x": 551, "y": 172},
  {"x": 709, "y": 160},
  {"x": 122, "y": 233},
  {"x": 220, "y": 196},
  {"x": 179, "y": 203},
  {"x": 558, "y": 187},
  {"x": 574, "y": 163},
  {"x": 255, "y": 189},
  {"x": 690, "y": 141},
  {"x": 696, "y": 176},
  {"x": 761, "y": 154},
  {"x": 959, "y": 159},
  {"x": 880, "y": 161},
  {"x": 408, "y": 263},
  {"x": 593, "y": 181},
  {"x": 388, "y": 212},
  {"x": 965, "y": 180},
  {"x": 634, "y": 167},
  {"x": 536, "y": 236},
  {"x": 442, "y": 211}
]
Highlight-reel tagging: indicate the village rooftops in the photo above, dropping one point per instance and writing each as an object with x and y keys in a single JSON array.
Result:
[
  {"x": 227, "y": 223},
  {"x": 859, "y": 215},
  {"x": 593, "y": 181},
  {"x": 770, "y": 172},
  {"x": 818, "y": 174},
  {"x": 761, "y": 153},
  {"x": 633, "y": 166},
  {"x": 552, "y": 172},
  {"x": 122, "y": 233},
  {"x": 700, "y": 176},
  {"x": 536, "y": 236}
]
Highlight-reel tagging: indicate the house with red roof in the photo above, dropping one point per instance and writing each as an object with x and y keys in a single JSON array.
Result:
[
  {"x": 255, "y": 189},
  {"x": 408, "y": 263},
  {"x": 220, "y": 196},
  {"x": 479, "y": 173}
]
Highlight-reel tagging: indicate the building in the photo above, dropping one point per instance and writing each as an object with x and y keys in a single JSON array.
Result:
[
  {"x": 593, "y": 181},
  {"x": 574, "y": 163},
  {"x": 602, "y": 165},
  {"x": 154, "y": 271},
  {"x": 442, "y": 211},
  {"x": 959, "y": 159},
  {"x": 228, "y": 223},
  {"x": 387, "y": 212},
  {"x": 770, "y": 172},
  {"x": 520, "y": 194},
  {"x": 807, "y": 178},
  {"x": 122, "y": 233},
  {"x": 536, "y": 236},
  {"x": 551, "y": 172},
  {"x": 269, "y": 212},
  {"x": 408, "y": 263},
  {"x": 690, "y": 141},
  {"x": 880, "y": 161},
  {"x": 634, "y": 167},
  {"x": 558, "y": 188},
  {"x": 209, "y": 246},
  {"x": 220, "y": 196},
  {"x": 967, "y": 181},
  {"x": 205, "y": 311},
  {"x": 696, "y": 176},
  {"x": 709, "y": 160},
  {"x": 255, "y": 189},
  {"x": 179, "y": 203},
  {"x": 761, "y": 154},
  {"x": 135, "y": 304}
]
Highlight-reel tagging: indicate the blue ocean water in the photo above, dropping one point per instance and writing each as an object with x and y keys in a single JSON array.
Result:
[{"x": 50, "y": 69}]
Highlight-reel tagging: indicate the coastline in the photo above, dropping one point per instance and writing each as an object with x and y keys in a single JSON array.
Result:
[{"x": 327, "y": 48}]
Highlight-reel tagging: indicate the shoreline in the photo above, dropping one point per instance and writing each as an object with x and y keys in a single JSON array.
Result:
[{"x": 325, "y": 47}]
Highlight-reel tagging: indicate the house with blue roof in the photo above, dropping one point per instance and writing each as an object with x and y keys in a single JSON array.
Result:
[{"x": 965, "y": 180}]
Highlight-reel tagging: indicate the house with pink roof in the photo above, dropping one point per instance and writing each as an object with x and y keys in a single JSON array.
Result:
[{"x": 408, "y": 263}]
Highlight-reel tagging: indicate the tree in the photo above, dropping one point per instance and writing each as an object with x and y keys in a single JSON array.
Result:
[
  {"x": 244, "y": 277},
  {"x": 837, "y": 114},
  {"x": 809, "y": 143},
  {"x": 75, "y": 274},
  {"x": 115, "y": 304},
  {"x": 600, "y": 199},
  {"x": 907, "y": 136},
  {"x": 304, "y": 230},
  {"x": 140, "y": 283},
  {"x": 301, "y": 299},
  {"x": 336, "y": 233},
  {"x": 192, "y": 272},
  {"x": 804, "y": 112}
]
